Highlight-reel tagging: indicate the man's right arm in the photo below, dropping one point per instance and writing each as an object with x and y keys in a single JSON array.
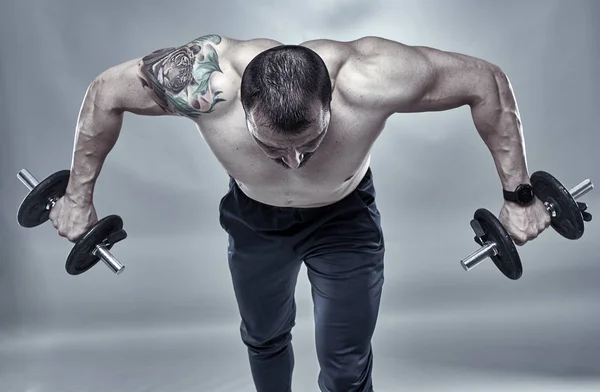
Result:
[{"x": 173, "y": 81}]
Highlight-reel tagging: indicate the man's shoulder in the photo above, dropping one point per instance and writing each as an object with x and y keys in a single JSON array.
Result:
[
  {"x": 345, "y": 50},
  {"x": 347, "y": 59},
  {"x": 240, "y": 52},
  {"x": 329, "y": 49},
  {"x": 335, "y": 53}
]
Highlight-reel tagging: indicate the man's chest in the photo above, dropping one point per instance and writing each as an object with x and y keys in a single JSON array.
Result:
[{"x": 347, "y": 143}]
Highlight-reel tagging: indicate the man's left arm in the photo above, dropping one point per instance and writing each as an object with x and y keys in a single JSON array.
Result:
[
  {"x": 399, "y": 78},
  {"x": 405, "y": 79}
]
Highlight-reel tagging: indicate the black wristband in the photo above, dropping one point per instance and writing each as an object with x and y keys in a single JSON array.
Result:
[{"x": 523, "y": 195}]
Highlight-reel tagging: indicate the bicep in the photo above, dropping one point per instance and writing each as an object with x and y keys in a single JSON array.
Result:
[
  {"x": 454, "y": 80},
  {"x": 170, "y": 81},
  {"x": 120, "y": 88},
  {"x": 418, "y": 79}
]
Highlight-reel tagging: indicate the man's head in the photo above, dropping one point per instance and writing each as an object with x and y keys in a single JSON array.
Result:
[{"x": 286, "y": 94}]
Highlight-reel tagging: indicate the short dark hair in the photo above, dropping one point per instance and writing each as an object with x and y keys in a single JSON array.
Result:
[{"x": 281, "y": 83}]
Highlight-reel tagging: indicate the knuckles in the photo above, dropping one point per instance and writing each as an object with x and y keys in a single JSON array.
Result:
[
  {"x": 69, "y": 235},
  {"x": 66, "y": 233},
  {"x": 72, "y": 238},
  {"x": 521, "y": 237}
]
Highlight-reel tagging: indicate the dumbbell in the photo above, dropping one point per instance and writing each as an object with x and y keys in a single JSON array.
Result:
[
  {"x": 567, "y": 215},
  {"x": 567, "y": 218},
  {"x": 93, "y": 246}
]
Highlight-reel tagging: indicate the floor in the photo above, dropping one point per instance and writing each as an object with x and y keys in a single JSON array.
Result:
[{"x": 413, "y": 353}]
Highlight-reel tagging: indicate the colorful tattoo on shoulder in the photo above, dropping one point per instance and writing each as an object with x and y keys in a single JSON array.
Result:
[{"x": 179, "y": 78}]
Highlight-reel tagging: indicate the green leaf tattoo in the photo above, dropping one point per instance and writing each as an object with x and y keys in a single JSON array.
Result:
[{"x": 179, "y": 78}]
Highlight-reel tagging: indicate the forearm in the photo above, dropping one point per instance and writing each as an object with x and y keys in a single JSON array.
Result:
[
  {"x": 98, "y": 127},
  {"x": 114, "y": 92},
  {"x": 497, "y": 119}
]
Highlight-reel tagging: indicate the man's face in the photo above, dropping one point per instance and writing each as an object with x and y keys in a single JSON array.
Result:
[{"x": 290, "y": 151}]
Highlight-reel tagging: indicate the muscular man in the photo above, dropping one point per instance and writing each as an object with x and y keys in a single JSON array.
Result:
[{"x": 293, "y": 126}]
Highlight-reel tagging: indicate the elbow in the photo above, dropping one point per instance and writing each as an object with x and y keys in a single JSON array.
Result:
[
  {"x": 500, "y": 79},
  {"x": 507, "y": 102},
  {"x": 495, "y": 103},
  {"x": 99, "y": 83},
  {"x": 100, "y": 93},
  {"x": 495, "y": 92},
  {"x": 484, "y": 83}
]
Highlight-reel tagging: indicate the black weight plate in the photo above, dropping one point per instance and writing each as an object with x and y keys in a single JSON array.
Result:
[
  {"x": 80, "y": 258},
  {"x": 33, "y": 211},
  {"x": 507, "y": 260},
  {"x": 569, "y": 220}
]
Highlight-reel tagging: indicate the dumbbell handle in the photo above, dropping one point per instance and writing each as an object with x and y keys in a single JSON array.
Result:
[
  {"x": 489, "y": 248},
  {"x": 108, "y": 258},
  {"x": 100, "y": 251},
  {"x": 581, "y": 189},
  {"x": 27, "y": 179}
]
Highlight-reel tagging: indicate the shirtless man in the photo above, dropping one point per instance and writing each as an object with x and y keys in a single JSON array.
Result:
[{"x": 293, "y": 126}]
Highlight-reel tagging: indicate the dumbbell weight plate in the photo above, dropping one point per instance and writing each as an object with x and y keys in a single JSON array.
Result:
[
  {"x": 33, "y": 210},
  {"x": 507, "y": 260},
  {"x": 568, "y": 221},
  {"x": 80, "y": 258}
]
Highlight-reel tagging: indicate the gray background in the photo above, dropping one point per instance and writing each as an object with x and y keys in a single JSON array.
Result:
[{"x": 169, "y": 323}]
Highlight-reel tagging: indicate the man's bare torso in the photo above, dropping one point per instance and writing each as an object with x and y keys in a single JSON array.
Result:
[{"x": 336, "y": 167}]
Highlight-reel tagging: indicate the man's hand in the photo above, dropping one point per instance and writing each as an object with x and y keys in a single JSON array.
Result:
[
  {"x": 524, "y": 223},
  {"x": 72, "y": 219}
]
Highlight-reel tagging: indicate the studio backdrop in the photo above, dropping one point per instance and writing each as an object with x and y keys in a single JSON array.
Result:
[{"x": 170, "y": 321}]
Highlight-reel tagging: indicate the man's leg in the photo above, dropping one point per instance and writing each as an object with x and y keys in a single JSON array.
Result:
[
  {"x": 264, "y": 285},
  {"x": 346, "y": 274},
  {"x": 346, "y": 293},
  {"x": 264, "y": 271}
]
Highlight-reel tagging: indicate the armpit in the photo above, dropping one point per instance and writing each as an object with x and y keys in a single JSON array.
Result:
[{"x": 178, "y": 79}]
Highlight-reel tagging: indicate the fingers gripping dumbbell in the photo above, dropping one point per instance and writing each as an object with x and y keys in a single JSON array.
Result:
[
  {"x": 567, "y": 218},
  {"x": 96, "y": 243}
]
